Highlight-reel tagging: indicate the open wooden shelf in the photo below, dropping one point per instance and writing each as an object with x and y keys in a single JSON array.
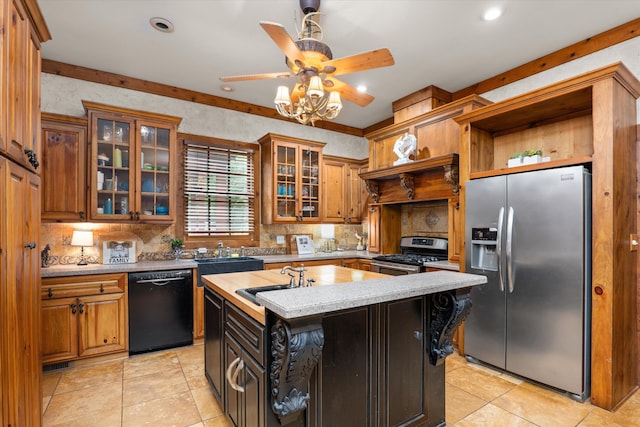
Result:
[{"x": 537, "y": 166}]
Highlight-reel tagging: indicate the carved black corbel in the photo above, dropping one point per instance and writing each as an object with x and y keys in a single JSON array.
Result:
[
  {"x": 295, "y": 349},
  {"x": 448, "y": 311}
]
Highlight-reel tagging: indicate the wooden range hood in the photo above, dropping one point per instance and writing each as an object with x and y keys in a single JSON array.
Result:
[{"x": 435, "y": 178}]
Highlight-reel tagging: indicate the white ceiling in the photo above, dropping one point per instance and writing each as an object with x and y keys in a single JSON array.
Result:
[{"x": 434, "y": 42}]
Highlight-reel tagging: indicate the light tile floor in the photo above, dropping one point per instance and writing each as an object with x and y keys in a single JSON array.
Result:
[{"x": 168, "y": 388}]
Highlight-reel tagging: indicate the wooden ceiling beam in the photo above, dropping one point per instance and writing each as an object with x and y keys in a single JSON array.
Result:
[{"x": 119, "y": 80}]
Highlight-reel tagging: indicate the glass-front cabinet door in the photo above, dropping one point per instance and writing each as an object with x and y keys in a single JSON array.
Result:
[
  {"x": 310, "y": 187},
  {"x": 131, "y": 164},
  {"x": 155, "y": 161},
  {"x": 286, "y": 173},
  {"x": 111, "y": 168},
  {"x": 292, "y": 166}
]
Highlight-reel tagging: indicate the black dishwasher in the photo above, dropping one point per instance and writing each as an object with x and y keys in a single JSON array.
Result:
[{"x": 160, "y": 310}]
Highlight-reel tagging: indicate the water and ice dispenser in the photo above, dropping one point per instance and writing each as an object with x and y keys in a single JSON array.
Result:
[{"x": 484, "y": 242}]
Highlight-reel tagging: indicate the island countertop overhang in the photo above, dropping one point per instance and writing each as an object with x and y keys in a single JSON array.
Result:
[
  {"x": 303, "y": 302},
  {"x": 360, "y": 288}
]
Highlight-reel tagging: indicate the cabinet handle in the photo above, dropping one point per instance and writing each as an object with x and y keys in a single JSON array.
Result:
[
  {"x": 81, "y": 307},
  {"x": 101, "y": 288},
  {"x": 73, "y": 309},
  {"x": 81, "y": 214},
  {"x": 138, "y": 215},
  {"x": 131, "y": 215},
  {"x": 232, "y": 378},
  {"x": 30, "y": 245},
  {"x": 33, "y": 158},
  {"x": 49, "y": 293}
]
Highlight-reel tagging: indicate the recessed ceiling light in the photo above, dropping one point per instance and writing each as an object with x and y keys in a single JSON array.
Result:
[
  {"x": 361, "y": 88},
  {"x": 161, "y": 24},
  {"x": 492, "y": 14},
  {"x": 226, "y": 88}
]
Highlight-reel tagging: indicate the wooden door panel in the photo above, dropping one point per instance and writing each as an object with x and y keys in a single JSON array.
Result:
[
  {"x": 63, "y": 171},
  {"x": 102, "y": 326},
  {"x": 59, "y": 337},
  {"x": 333, "y": 201}
]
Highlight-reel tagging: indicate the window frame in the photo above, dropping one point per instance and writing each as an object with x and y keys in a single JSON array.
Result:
[{"x": 192, "y": 242}]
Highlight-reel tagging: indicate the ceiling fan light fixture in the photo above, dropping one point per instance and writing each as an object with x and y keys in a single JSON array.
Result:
[
  {"x": 282, "y": 97},
  {"x": 335, "y": 103},
  {"x": 315, "y": 89},
  {"x": 308, "y": 108}
]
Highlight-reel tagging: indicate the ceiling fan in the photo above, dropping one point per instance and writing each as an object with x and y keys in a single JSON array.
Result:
[{"x": 308, "y": 59}]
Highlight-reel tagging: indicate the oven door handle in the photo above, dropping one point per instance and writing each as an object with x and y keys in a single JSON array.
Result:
[{"x": 395, "y": 267}]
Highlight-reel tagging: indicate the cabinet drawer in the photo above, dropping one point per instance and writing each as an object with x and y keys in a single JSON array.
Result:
[
  {"x": 64, "y": 287},
  {"x": 249, "y": 333}
]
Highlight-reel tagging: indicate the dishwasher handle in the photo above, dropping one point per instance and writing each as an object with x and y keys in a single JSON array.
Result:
[{"x": 161, "y": 282}]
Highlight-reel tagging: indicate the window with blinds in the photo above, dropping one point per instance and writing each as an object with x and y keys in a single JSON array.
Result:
[{"x": 219, "y": 192}]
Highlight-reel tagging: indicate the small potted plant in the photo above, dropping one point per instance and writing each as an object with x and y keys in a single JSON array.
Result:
[
  {"x": 531, "y": 157},
  {"x": 515, "y": 160},
  {"x": 527, "y": 157},
  {"x": 176, "y": 247}
]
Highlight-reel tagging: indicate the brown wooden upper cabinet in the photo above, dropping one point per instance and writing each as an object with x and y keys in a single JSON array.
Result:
[
  {"x": 19, "y": 134},
  {"x": 344, "y": 194},
  {"x": 291, "y": 177},
  {"x": 64, "y": 166},
  {"x": 132, "y": 162}
]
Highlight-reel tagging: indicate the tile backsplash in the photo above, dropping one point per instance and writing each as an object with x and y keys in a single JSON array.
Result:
[{"x": 152, "y": 240}]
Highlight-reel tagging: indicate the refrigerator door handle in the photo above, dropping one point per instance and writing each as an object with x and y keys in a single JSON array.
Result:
[
  {"x": 509, "y": 249},
  {"x": 499, "y": 248}
]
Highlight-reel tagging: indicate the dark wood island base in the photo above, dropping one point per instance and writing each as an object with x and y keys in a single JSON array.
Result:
[{"x": 379, "y": 364}]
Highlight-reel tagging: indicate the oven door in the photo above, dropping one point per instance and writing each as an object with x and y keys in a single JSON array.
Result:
[{"x": 393, "y": 268}]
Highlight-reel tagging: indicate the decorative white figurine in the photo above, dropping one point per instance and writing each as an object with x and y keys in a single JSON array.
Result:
[{"x": 404, "y": 146}]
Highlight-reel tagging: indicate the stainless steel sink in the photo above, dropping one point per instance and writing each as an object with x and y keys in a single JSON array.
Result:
[
  {"x": 250, "y": 293},
  {"x": 227, "y": 265}
]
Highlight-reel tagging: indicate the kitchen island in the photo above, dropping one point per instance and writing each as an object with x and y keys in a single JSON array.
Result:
[{"x": 357, "y": 348}]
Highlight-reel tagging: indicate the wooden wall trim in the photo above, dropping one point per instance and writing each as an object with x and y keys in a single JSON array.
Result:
[
  {"x": 119, "y": 80},
  {"x": 583, "y": 48}
]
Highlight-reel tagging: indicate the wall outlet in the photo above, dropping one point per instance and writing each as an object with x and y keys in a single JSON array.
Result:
[
  {"x": 280, "y": 240},
  {"x": 202, "y": 250}
]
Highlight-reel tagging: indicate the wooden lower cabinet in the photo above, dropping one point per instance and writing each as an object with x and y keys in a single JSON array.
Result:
[
  {"x": 198, "y": 311},
  {"x": 83, "y": 316},
  {"x": 357, "y": 263}
]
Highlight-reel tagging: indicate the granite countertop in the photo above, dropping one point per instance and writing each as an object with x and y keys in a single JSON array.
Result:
[
  {"x": 444, "y": 265},
  {"x": 81, "y": 270},
  {"x": 301, "y": 302},
  {"x": 336, "y": 288},
  {"x": 227, "y": 284},
  {"x": 317, "y": 256}
]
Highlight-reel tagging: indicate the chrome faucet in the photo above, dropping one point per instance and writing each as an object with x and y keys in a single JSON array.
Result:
[
  {"x": 300, "y": 270},
  {"x": 220, "y": 247}
]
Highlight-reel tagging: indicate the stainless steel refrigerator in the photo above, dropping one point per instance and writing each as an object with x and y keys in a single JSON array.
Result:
[{"x": 530, "y": 234}]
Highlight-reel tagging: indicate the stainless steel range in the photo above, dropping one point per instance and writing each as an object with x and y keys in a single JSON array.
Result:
[{"x": 416, "y": 250}]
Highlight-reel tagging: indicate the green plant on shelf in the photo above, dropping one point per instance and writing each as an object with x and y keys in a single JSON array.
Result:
[{"x": 526, "y": 153}]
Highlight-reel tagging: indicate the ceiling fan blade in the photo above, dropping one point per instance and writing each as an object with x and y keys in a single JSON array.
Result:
[
  {"x": 241, "y": 78},
  {"x": 284, "y": 41},
  {"x": 350, "y": 93},
  {"x": 362, "y": 61}
]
